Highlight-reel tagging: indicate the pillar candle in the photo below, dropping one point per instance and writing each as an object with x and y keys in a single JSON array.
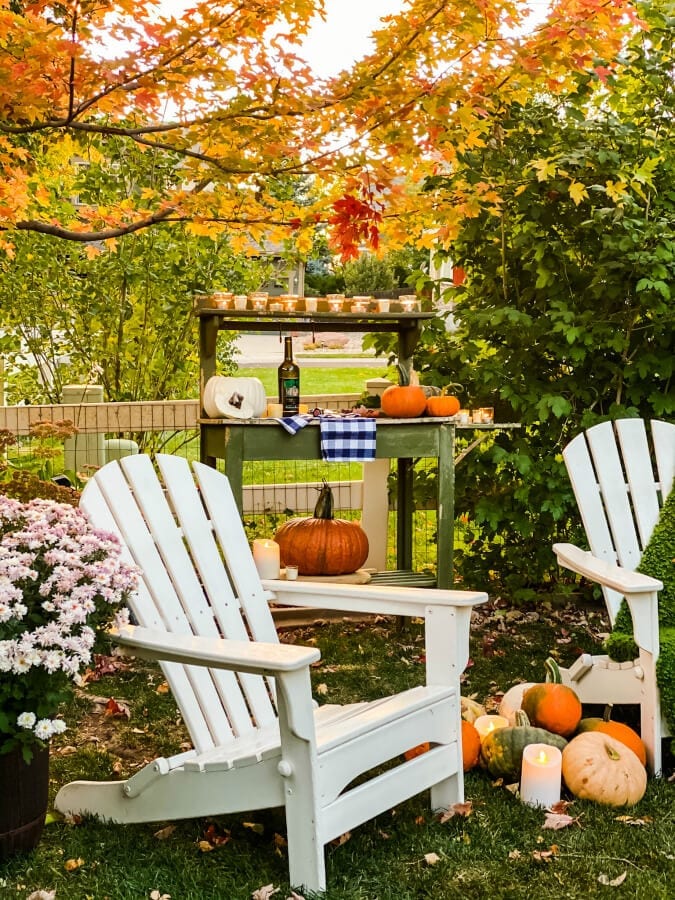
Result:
[
  {"x": 485, "y": 724},
  {"x": 266, "y": 557},
  {"x": 541, "y": 775}
]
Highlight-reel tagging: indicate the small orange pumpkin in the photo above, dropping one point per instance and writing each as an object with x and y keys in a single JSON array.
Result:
[
  {"x": 618, "y": 730},
  {"x": 417, "y": 751},
  {"x": 442, "y": 405},
  {"x": 470, "y": 745},
  {"x": 552, "y": 705},
  {"x": 321, "y": 544}
]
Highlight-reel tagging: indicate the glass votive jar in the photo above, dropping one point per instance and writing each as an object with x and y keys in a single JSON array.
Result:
[
  {"x": 311, "y": 304},
  {"x": 292, "y": 573},
  {"x": 409, "y": 303},
  {"x": 275, "y": 306},
  {"x": 485, "y": 415},
  {"x": 259, "y": 304},
  {"x": 359, "y": 306},
  {"x": 383, "y": 305},
  {"x": 335, "y": 302},
  {"x": 464, "y": 416},
  {"x": 222, "y": 299},
  {"x": 289, "y": 303},
  {"x": 240, "y": 301}
]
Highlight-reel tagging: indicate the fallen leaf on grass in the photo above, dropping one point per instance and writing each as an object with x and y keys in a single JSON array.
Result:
[
  {"x": 70, "y": 865},
  {"x": 264, "y": 893},
  {"x": 431, "y": 859},
  {"x": 216, "y": 836},
  {"x": 545, "y": 855},
  {"x": 556, "y": 821},
  {"x": 156, "y": 895},
  {"x": 42, "y": 895},
  {"x": 457, "y": 809},
  {"x": 561, "y": 806},
  {"x": 339, "y": 841},
  {"x": 117, "y": 709},
  {"x": 614, "y": 882},
  {"x": 162, "y": 688},
  {"x": 205, "y": 846},
  {"x": 515, "y": 854},
  {"x": 254, "y": 826},
  {"x": 632, "y": 820},
  {"x": 164, "y": 833},
  {"x": 321, "y": 689}
]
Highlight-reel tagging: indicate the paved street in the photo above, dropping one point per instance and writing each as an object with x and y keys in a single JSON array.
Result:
[{"x": 267, "y": 349}]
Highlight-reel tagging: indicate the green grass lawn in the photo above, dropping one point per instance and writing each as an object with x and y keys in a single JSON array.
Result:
[
  {"x": 499, "y": 850},
  {"x": 333, "y": 379}
]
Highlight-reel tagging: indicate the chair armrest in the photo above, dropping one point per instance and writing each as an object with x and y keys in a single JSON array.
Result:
[
  {"x": 376, "y": 599},
  {"x": 640, "y": 591},
  {"x": 240, "y": 656},
  {"x": 623, "y": 580}
]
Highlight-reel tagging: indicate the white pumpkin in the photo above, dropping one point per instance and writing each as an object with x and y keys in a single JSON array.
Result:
[
  {"x": 240, "y": 398},
  {"x": 512, "y": 701}
]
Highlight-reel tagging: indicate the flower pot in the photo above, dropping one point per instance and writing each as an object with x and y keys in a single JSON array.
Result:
[{"x": 24, "y": 790}]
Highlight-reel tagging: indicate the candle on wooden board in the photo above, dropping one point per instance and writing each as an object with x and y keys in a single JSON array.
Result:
[
  {"x": 541, "y": 775},
  {"x": 267, "y": 556}
]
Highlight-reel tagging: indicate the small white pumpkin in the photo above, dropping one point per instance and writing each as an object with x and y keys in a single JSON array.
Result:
[{"x": 512, "y": 701}]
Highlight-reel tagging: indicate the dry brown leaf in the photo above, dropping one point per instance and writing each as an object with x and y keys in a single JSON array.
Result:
[
  {"x": 632, "y": 820},
  {"x": 164, "y": 833},
  {"x": 561, "y": 806},
  {"x": 157, "y": 895},
  {"x": 419, "y": 820},
  {"x": 545, "y": 855},
  {"x": 205, "y": 846},
  {"x": 264, "y": 893},
  {"x": 339, "y": 841},
  {"x": 321, "y": 689},
  {"x": 254, "y": 826},
  {"x": 117, "y": 709},
  {"x": 457, "y": 809},
  {"x": 556, "y": 821},
  {"x": 515, "y": 854},
  {"x": 42, "y": 895},
  {"x": 613, "y": 882},
  {"x": 70, "y": 865},
  {"x": 162, "y": 688},
  {"x": 431, "y": 859}
]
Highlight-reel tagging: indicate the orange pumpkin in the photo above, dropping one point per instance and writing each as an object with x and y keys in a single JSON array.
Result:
[
  {"x": 470, "y": 745},
  {"x": 417, "y": 751},
  {"x": 552, "y": 705},
  {"x": 617, "y": 730},
  {"x": 403, "y": 401},
  {"x": 321, "y": 544},
  {"x": 442, "y": 405}
]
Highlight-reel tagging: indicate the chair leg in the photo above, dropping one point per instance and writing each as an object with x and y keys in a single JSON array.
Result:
[
  {"x": 446, "y": 793},
  {"x": 650, "y": 714}
]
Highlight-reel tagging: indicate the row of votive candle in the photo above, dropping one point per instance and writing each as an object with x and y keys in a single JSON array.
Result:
[
  {"x": 262, "y": 302},
  {"x": 541, "y": 769}
]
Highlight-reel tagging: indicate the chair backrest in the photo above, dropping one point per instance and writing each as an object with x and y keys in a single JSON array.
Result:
[
  {"x": 621, "y": 472},
  {"x": 198, "y": 577}
]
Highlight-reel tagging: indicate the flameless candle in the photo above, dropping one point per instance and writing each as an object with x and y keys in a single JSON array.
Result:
[
  {"x": 311, "y": 304},
  {"x": 485, "y": 724},
  {"x": 266, "y": 556},
  {"x": 541, "y": 775}
]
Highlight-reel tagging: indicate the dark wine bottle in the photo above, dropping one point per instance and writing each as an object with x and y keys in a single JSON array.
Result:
[{"x": 289, "y": 381}]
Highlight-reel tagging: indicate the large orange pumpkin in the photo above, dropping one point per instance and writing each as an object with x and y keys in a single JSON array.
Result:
[
  {"x": 552, "y": 705},
  {"x": 403, "y": 401},
  {"x": 321, "y": 544}
]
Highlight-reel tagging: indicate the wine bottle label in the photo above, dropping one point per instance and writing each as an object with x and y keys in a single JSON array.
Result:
[{"x": 290, "y": 395}]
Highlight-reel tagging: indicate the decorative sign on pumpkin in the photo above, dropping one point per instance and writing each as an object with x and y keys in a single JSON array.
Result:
[{"x": 321, "y": 544}]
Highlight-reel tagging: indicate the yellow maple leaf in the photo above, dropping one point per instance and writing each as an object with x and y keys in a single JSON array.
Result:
[{"x": 578, "y": 192}]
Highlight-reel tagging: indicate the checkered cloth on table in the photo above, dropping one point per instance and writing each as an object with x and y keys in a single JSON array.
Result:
[
  {"x": 347, "y": 439},
  {"x": 293, "y": 424}
]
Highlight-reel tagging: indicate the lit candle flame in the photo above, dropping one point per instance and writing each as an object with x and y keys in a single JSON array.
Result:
[{"x": 542, "y": 758}]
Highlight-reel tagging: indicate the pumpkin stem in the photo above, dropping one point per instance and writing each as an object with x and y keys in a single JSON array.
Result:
[
  {"x": 403, "y": 375},
  {"x": 553, "y": 675},
  {"x": 325, "y": 503},
  {"x": 607, "y": 714},
  {"x": 521, "y": 718}
]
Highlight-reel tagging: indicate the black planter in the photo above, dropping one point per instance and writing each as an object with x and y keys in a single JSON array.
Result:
[{"x": 24, "y": 791}]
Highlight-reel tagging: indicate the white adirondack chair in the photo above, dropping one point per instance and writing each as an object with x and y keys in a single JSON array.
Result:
[
  {"x": 621, "y": 473},
  {"x": 259, "y": 739}
]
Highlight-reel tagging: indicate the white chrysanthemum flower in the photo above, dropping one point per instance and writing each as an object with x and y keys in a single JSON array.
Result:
[
  {"x": 58, "y": 726},
  {"x": 26, "y": 720},
  {"x": 44, "y": 729}
]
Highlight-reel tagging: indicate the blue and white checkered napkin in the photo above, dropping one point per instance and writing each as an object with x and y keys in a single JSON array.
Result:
[
  {"x": 293, "y": 424},
  {"x": 347, "y": 439}
]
